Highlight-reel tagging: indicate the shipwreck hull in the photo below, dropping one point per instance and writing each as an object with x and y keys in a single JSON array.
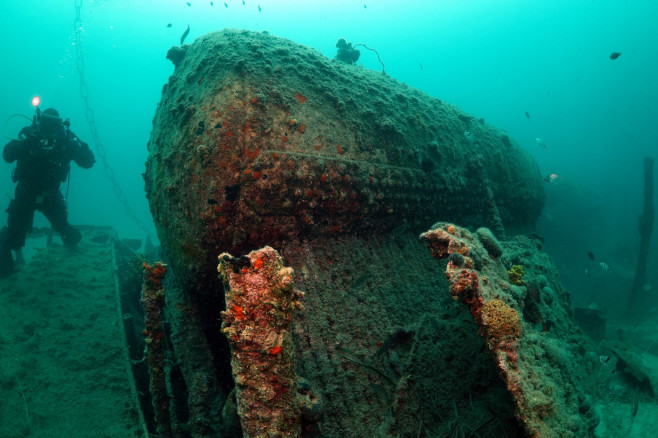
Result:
[{"x": 260, "y": 141}]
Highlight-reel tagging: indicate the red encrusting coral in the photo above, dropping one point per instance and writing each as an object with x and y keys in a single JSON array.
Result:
[
  {"x": 153, "y": 299},
  {"x": 300, "y": 97},
  {"x": 153, "y": 275},
  {"x": 260, "y": 303}
]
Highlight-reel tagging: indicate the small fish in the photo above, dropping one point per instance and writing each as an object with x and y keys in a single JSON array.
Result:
[
  {"x": 604, "y": 359},
  {"x": 540, "y": 142},
  {"x": 527, "y": 114},
  {"x": 615, "y": 55},
  {"x": 212, "y": 4},
  {"x": 604, "y": 267},
  {"x": 590, "y": 255},
  {"x": 242, "y": 2},
  {"x": 551, "y": 178},
  {"x": 365, "y": 7},
  {"x": 185, "y": 34},
  {"x": 470, "y": 137},
  {"x": 421, "y": 66},
  {"x": 258, "y": 8},
  {"x": 188, "y": 4},
  {"x": 225, "y": 4},
  {"x": 587, "y": 272},
  {"x": 169, "y": 24}
]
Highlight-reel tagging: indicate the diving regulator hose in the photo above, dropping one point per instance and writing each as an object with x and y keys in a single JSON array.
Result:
[{"x": 4, "y": 127}]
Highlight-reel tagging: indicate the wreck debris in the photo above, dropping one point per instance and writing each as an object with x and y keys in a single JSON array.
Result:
[
  {"x": 346, "y": 52},
  {"x": 542, "y": 404},
  {"x": 153, "y": 298},
  {"x": 645, "y": 228},
  {"x": 260, "y": 301},
  {"x": 260, "y": 141},
  {"x": 489, "y": 241}
]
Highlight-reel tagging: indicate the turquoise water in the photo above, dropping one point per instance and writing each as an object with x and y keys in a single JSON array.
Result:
[
  {"x": 496, "y": 60},
  {"x": 537, "y": 69}
]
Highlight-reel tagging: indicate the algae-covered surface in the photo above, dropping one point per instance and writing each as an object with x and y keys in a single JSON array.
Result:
[
  {"x": 523, "y": 314},
  {"x": 260, "y": 141},
  {"x": 63, "y": 361},
  {"x": 385, "y": 346}
]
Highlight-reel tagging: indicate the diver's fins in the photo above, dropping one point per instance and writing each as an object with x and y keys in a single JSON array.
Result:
[
  {"x": 20, "y": 260},
  {"x": 6, "y": 259},
  {"x": 71, "y": 236}
]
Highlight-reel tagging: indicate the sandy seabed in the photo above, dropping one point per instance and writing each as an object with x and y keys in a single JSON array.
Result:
[{"x": 63, "y": 370}]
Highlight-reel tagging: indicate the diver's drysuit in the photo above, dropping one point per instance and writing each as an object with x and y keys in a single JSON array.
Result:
[{"x": 43, "y": 155}]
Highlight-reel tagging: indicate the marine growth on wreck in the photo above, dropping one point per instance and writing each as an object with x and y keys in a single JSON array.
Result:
[
  {"x": 338, "y": 253},
  {"x": 340, "y": 169}
]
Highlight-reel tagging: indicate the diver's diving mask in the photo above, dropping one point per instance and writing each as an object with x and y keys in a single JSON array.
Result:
[{"x": 50, "y": 123}]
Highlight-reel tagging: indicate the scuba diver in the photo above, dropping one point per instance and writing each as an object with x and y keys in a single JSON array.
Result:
[{"x": 43, "y": 153}]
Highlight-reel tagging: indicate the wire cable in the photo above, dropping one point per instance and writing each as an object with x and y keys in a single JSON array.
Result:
[{"x": 91, "y": 119}]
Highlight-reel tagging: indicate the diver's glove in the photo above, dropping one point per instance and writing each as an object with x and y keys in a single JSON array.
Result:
[
  {"x": 29, "y": 133},
  {"x": 32, "y": 142}
]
